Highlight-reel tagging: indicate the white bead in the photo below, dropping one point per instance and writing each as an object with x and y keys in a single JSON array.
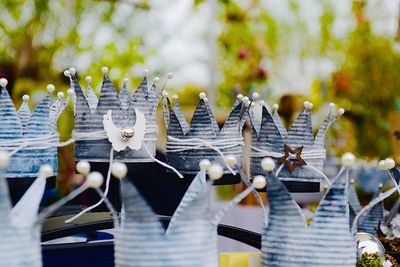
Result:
[
  {"x": 125, "y": 81},
  {"x": 83, "y": 167},
  {"x": 88, "y": 79},
  {"x": 275, "y": 107},
  {"x": 239, "y": 97},
  {"x": 268, "y": 164},
  {"x": 380, "y": 185},
  {"x": 340, "y": 111},
  {"x": 204, "y": 164},
  {"x": 94, "y": 180},
  {"x": 202, "y": 95},
  {"x": 253, "y": 104},
  {"x": 259, "y": 182},
  {"x": 381, "y": 165},
  {"x": 3, "y": 82},
  {"x": 165, "y": 94},
  {"x": 175, "y": 97},
  {"x": 308, "y": 105},
  {"x": 261, "y": 102},
  {"x": 389, "y": 163},
  {"x": 60, "y": 95},
  {"x": 156, "y": 79},
  {"x": 348, "y": 159},
  {"x": 119, "y": 170},
  {"x": 46, "y": 171},
  {"x": 246, "y": 101},
  {"x": 4, "y": 159},
  {"x": 145, "y": 72},
  {"x": 104, "y": 70},
  {"x": 50, "y": 88},
  {"x": 331, "y": 105},
  {"x": 25, "y": 97},
  {"x": 70, "y": 92},
  {"x": 72, "y": 71},
  {"x": 215, "y": 171},
  {"x": 230, "y": 160},
  {"x": 170, "y": 75},
  {"x": 67, "y": 74},
  {"x": 352, "y": 181},
  {"x": 255, "y": 96}
]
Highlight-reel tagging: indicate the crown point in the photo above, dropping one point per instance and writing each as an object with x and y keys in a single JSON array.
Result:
[
  {"x": 381, "y": 165},
  {"x": 230, "y": 160},
  {"x": 88, "y": 79},
  {"x": 246, "y": 101},
  {"x": 202, "y": 95},
  {"x": 308, "y": 105},
  {"x": 67, "y": 73},
  {"x": 4, "y": 159},
  {"x": 60, "y": 95},
  {"x": 119, "y": 170},
  {"x": 175, "y": 97},
  {"x": 380, "y": 185},
  {"x": 70, "y": 92},
  {"x": 215, "y": 171},
  {"x": 25, "y": 98},
  {"x": 348, "y": 159},
  {"x": 94, "y": 180},
  {"x": 261, "y": 102},
  {"x": 3, "y": 82},
  {"x": 72, "y": 71},
  {"x": 170, "y": 75},
  {"x": 125, "y": 81},
  {"x": 83, "y": 167},
  {"x": 255, "y": 96},
  {"x": 331, "y": 105},
  {"x": 239, "y": 97},
  {"x": 206, "y": 99},
  {"x": 204, "y": 164},
  {"x": 46, "y": 171},
  {"x": 275, "y": 107},
  {"x": 326, "y": 187},
  {"x": 145, "y": 72},
  {"x": 352, "y": 181},
  {"x": 104, "y": 70},
  {"x": 259, "y": 182},
  {"x": 268, "y": 164},
  {"x": 340, "y": 111},
  {"x": 156, "y": 79},
  {"x": 389, "y": 163},
  {"x": 164, "y": 93},
  {"x": 50, "y": 88}
]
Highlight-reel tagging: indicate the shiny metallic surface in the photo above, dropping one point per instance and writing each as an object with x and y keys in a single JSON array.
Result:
[
  {"x": 127, "y": 133},
  {"x": 367, "y": 243}
]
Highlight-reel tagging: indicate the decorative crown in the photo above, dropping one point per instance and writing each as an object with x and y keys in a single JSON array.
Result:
[
  {"x": 298, "y": 154},
  {"x": 123, "y": 110},
  {"x": 328, "y": 238},
  {"x": 187, "y": 144},
  {"x": 31, "y": 138}
]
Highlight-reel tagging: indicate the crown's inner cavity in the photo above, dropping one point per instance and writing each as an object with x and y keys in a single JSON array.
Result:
[{"x": 127, "y": 133}]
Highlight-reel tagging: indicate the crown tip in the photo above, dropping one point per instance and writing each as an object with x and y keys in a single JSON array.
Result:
[
  {"x": 164, "y": 93},
  {"x": 125, "y": 81},
  {"x": 156, "y": 79},
  {"x": 170, "y": 75},
  {"x": 255, "y": 96},
  {"x": 25, "y": 98},
  {"x": 88, "y": 79},
  {"x": 203, "y": 95},
  {"x": 246, "y": 101},
  {"x": 50, "y": 88},
  {"x": 175, "y": 97},
  {"x": 72, "y": 71},
  {"x": 104, "y": 70},
  {"x": 308, "y": 105},
  {"x": 348, "y": 159},
  {"x": 146, "y": 72},
  {"x": 341, "y": 111},
  {"x": 3, "y": 82},
  {"x": 261, "y": 102},
  {"x": 386, "y": 164},
  {"x": 67, "y": 73},
  {"x": 275, "y": 107},
  {"x": 60, "y": 95}
]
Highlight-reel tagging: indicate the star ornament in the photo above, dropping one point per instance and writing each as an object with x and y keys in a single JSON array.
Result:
[{"x": 292, "y": 154}]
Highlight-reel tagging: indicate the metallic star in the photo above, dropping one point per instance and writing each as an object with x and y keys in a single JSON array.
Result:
[{"x": 285, "y": 159}]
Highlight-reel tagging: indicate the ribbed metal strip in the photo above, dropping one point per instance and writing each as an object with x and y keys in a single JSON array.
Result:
[
  {"x": 11, "y": 127},
  {"x": 39, "y": 124},
  {"x": 319, "y": 140},
  {"x": 124, "y": 97},
  {"x": 353, "y": 199},
  {"x": 392, "y": 213},
  {"x": 24, "y": 113},
  {"x": 91, "y": 99},
  {"x": 269, "y": 138},
  {"x": 174, "y": 127},
  {"x": 83, "y": 115},
  {"x": 369, "y": 223},
  {"x": 179, "y": 115},
  {"x": 201, "y": 125},
  {"x": 191, "y": 241},
  {"x": 233, "y": 122},
  {"x": 279, "y": 124},
  {"x": 301, "y": 132}
]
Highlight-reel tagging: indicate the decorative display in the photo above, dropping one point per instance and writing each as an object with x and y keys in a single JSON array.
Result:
[
  {"x": 298, "y": 155},
  {"x": 187, "y": 145},
  {"x": 115, "y": 121}
]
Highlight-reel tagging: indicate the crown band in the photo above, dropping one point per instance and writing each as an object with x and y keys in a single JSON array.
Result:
[{"x": 308, "y": 154}]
